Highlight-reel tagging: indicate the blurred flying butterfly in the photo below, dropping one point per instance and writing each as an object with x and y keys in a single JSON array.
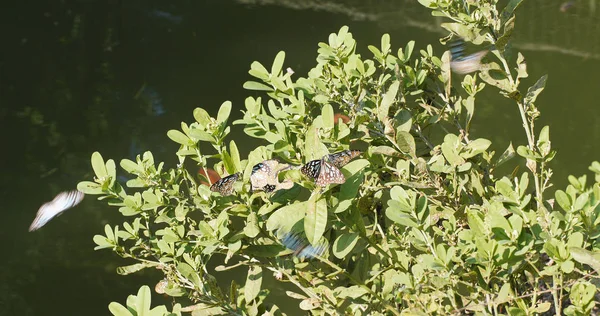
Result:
[
  {"x": 301, "y": 247},
  {"x": 462, "y": 64},
  {"x": 62, "y": 202},
  {"x": 225, "y": 185},
  {"x": 322, "y": 172},
  {"x": 342, "y": 158}
]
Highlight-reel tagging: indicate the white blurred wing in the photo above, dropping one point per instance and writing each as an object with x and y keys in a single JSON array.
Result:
[
  {"x": 62, "y": 202},
  {"x": 468, "y": 64}
]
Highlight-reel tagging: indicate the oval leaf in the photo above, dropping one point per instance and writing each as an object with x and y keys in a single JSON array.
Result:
[
  {"x": 344, "y": 244},
  {"x": 315, "y": 220}
]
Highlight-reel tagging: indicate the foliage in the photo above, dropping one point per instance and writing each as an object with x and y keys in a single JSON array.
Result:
[{"x": 425, "y": 222}]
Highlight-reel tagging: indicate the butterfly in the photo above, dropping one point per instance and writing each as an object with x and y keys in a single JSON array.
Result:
[
  {"x": 264, "y": 176},
  {"x": 342, "y": 158},
  {"x": 301, "y": 247},
  {"x": 62, "y": 202},
  {"x": 225, "y": 185},
  {"x": 325, "y": 171},
  {"x": 462, "y": 64}
]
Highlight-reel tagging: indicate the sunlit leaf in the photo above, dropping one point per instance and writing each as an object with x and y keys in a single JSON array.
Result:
[
  {"x": 388, "y": 100},
  {"x": 99, "y": 166},
  {"x": 315, "y": 220},
  {"x": 344, "y": 244},
  {"x": 253, "y": 283}
]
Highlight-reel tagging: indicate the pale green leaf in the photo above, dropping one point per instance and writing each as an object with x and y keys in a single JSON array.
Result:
[
  {"x": 253, "y": 283},
  {"x": 315, "y": 220},
  {"x": 344, "y": 244}
]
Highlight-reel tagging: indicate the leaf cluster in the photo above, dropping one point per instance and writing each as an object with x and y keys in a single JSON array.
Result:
[{"x": 425, "y": 222}]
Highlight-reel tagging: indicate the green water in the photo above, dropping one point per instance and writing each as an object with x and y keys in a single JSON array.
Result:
[{"x": 81, "y": 76}]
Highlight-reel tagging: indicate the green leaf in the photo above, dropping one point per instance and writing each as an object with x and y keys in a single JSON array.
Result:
[
  {"x": 476, "y": 147},
  {"x": 202, "y": 136},
  {"x": 235, "y": 156},
  {"x": 253, "y": 283},
  {"x": 563, "y": 200},
  {"x": 118, "y": 310},
  {"x": 142, "y": 304},
  {"x": 535, "y": 90},
  {"x": 224, "y": 112},
  {"x": 313, "y": 147},
  {"x": 508, "y": 11},
  {"x": 315, "y": 220},
  {"x": 102, "y": 242},
  {"x": 202, "y": 117},
  {"x": 89, "y": 187},
  {"x": 344, "y": 244},
  {"x": 125, "y": 270},
  {"x": 527, "y": 153},
  {"x": 388, "y": 100},
  {"x": 355, "y": 166},
  {"x": 450, "y": 153},
  {"x": 309, "y": 304},
  {"x": 406, "y": 143},
  {"x": 251, "y": 229},
  {"x": 327, "y": 114},
  {"x": 403, "y": 121},
  {"x": 130, "y": 166},
  {"x": 385, "y": 43},
  {"x": 256, "y": 86},
  {"x": 278, "y": 63},
  {"x": 476, "y": 223},
  {"x": 99, "y": 166},
  {"x": 395, "y": 212},
  {"x": 287, "y": 216},
  {"x": 348, "y": 191},
  {"x": 180, "y": 138},
  {"x": 505, "y": 38},
  {"x": 586, "y": 257}
]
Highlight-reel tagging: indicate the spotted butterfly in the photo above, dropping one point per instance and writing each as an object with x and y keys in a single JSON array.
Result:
[
  {"x": 263, "y": 173},
  {"x": 225, "y": 185},
  {"x": 323, "y": 172},
  {"x": 342, "y": 158},
  {"x": 264, "y": 176},
  {"x": 301, "y": 247}
]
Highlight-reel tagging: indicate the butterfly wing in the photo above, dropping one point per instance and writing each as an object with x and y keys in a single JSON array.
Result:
[
  {"x": 225, "y": 185},
  {"x": 312, "y": 169},
  {"x": 329, "y": 174},
  {"x": 264, "y": 175},
  {"x": 342, "y": 158},
  {"x": 301, "y": 247},
  {"x": 62, "y": 202}
]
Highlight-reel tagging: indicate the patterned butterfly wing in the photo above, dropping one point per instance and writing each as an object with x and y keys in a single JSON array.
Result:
[
  {"x": 329, "y": 174},
  {"x": 312, "y": 169},
  {"x": 342, "y": 158},
  {"x": 269, "y": 188},
  {"x": 225, "y": 185},
  {"x": 264, "y": 175}
]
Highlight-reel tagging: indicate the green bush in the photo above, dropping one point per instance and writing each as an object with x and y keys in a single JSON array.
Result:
[{"x": 425, "y": 222}]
